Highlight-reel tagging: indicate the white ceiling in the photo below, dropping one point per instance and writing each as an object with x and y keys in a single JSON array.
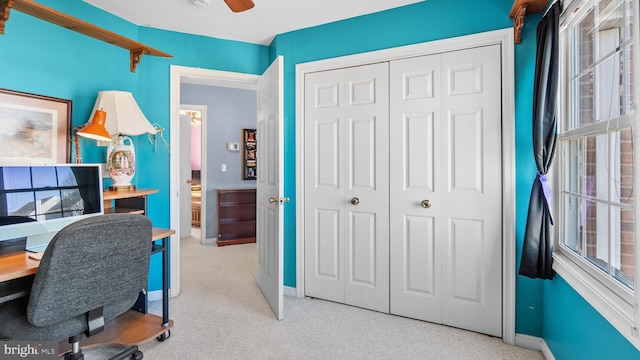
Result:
[{"x": 258, "y": 25}]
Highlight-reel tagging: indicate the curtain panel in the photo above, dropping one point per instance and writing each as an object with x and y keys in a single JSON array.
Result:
[{"x": 537, "y": 248}]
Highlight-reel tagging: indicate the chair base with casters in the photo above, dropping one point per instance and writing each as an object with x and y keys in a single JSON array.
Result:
[
  {"x": 115, "y": 352},
  {"x": 91, "y": 272}
]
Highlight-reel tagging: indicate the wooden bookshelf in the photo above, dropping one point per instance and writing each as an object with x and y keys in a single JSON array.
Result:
[
  {"x": 136, "y": 49},
  {"x": 130, "y": 202},
  {"x": 236, "y": 216}
]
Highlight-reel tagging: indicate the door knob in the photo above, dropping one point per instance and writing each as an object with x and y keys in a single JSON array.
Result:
[
  {"x": 281, "y": 200},
  {"x": 189, "y": 181},
  {"x": 425, "y": 204},
  {"x": 355, "y": 201}
]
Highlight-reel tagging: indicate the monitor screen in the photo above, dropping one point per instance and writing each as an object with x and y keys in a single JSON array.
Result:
[{"x": 43, "y": 199}]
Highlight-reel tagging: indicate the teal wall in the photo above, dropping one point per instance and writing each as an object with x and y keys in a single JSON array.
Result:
[
  {"x": 574, "y": 330},
  {"x": 41, "y": 58}
]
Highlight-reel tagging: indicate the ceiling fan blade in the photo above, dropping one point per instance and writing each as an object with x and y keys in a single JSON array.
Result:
[{"x": 239, "y": 5}]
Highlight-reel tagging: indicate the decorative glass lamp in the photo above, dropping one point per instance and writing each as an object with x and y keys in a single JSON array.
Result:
[{"x": 124, "y": 117}]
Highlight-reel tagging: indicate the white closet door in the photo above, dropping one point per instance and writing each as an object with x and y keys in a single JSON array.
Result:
[
  {"x": 324, "y": 186},
  {"x": 416, "y": 188},
  {"x": 446, "y": 257},
  {"x": 347, "y": 187},
  {"x": 472, "y": 193}
]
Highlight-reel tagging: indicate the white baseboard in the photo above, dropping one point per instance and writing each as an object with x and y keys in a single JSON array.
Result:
[
  {"x": 289, "y": 291},
  {"x": 154, "y": 295},
  {"x": 534, "y": 343},
  {"x": 547, "y": 352},
  {"x": 210, "y": 241}
]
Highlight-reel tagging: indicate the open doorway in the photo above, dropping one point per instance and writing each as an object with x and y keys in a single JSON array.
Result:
[
  {"x": 185, "y": 75},
  {"x": 193, "y": 170}
]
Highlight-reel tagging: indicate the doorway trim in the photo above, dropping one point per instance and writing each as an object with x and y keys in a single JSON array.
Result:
[
  {"x": 178, "y": 74},
  {"x": 502, "y": 37}
]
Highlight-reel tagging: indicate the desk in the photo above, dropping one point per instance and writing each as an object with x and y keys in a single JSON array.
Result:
[{"x": 17, "y": 265}]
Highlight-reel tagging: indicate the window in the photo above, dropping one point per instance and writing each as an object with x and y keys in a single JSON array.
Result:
[{"x": 595, "y": 182}]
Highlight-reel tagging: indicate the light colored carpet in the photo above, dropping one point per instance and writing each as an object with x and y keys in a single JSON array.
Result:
[{"x": 221, "y": 314}]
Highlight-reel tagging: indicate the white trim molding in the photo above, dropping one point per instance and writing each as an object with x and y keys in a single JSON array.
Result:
[
  {"x": 289, "y": 291},
  {"x": 502, "y": 37},
  {"x": 534, "y": 343}
]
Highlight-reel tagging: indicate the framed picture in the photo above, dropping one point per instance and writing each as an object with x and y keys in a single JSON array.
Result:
[
  {"x": 249, "y": 159},
  {"x": 34, "y": 129}
]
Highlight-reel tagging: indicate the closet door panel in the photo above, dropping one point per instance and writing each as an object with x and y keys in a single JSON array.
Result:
[
  {"x": 367, "y": 195},
  {"x": 472, "y": 198},
  {"x": 415, "y": 188},
  {"x": 347, "y": 237},
  {"x": 324, "y": 186}
]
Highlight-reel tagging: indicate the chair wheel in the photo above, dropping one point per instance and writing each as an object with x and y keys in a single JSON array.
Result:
[
  {"x": 165, "y": 335},
  {"x": 137, "y": 355}
]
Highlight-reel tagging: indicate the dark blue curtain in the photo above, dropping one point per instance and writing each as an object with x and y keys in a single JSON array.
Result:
[{"x": 537, "y": 248}]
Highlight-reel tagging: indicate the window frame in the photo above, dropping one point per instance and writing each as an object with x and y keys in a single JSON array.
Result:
[{"x": 614, "y": 301}]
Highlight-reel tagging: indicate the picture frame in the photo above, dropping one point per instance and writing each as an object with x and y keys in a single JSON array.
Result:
[
  {"x": 249, "y": 158},
  {"x": 34, "y": 129}
]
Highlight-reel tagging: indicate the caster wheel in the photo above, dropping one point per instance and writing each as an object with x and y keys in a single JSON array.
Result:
[
  {"x": 165, "y": 335},
  {"x": 137, "y": 355}
]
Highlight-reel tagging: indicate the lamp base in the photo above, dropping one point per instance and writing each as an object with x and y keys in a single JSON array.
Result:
[{"x": 122, "y": 187}]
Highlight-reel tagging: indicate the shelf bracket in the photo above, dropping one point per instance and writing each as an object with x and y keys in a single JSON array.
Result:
[
  {"x": 135, "y": 57},
  {"x": 521, "y": 8},
  {"x": 5, "y": 8},
  {"x": 518, "y": 23}
]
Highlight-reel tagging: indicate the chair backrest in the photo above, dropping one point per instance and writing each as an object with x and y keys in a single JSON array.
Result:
[{"x": 102, "y": 261}]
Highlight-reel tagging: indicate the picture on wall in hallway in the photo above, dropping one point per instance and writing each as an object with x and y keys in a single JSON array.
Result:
[{"x": 249, "y": 154}]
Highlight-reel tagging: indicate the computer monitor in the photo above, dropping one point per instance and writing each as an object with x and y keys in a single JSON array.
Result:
[{"x": 38, "y": 201}]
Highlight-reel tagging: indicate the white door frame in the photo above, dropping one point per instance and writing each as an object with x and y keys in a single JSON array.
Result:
[
  {"x": 195, "y": 75},
  {"x": 505, "y": 39},
  {"x": 203, "y": 172}
]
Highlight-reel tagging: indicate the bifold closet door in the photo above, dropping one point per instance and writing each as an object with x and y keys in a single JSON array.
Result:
[
  {"x": 347, "y": 186},
  {"x": 445, "y": 189}
]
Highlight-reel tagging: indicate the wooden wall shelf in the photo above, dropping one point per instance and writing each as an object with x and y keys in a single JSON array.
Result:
[
  {"x": 136, "y": 49},
  {"x": 521, "y": 8}
]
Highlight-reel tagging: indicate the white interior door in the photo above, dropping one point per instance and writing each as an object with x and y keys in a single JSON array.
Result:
[
  {"x": 270, "y": 197},
  {"x": 347, "y": 186},
  {"x": 446, "y": 254},
  {"x": 185, "y": 176}
]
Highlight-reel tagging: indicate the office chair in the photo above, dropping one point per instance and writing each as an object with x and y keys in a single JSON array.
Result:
[{"x": 91, "y": 272}]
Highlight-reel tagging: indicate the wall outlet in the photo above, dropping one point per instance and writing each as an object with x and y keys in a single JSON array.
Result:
[{"x": 223, "y": 167}]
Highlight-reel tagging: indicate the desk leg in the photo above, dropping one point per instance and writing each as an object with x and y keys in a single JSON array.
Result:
[{"x": 165, "y": 281}]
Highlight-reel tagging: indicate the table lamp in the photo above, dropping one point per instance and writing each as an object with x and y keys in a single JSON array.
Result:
[
  {"x": 123, "y": 117},
  {"x": 93, "y": 129}
]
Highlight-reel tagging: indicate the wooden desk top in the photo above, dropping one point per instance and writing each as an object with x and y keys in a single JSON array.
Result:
[
  {"x": 110, "y": 194},
  {"x": 17, "y": 265},
  {"x": 159, "y": 233}
]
